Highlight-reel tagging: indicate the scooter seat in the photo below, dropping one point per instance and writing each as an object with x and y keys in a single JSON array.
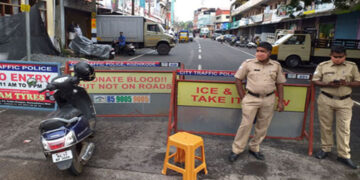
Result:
[
  {"x": 67, "y": 112},
  {"x": 51, "y": 124}
]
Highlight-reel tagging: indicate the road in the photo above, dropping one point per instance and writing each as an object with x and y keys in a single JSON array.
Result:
[{"x": 134, "y": 148}]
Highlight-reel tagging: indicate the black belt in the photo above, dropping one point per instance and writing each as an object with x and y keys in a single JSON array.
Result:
[
  {"x": 335, "y": 97},
  {"x": 258, "y": 95}
]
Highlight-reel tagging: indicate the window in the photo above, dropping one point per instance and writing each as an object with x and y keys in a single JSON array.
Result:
[
  {"x": 296, "y": 40},
  {"x": 217, "y": 18},
  {"x": 152, "y": 27},
  {"x": 227, "y": 17}
]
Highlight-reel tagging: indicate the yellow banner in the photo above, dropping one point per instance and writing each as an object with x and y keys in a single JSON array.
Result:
[
  {"x": 120, "y": 82},
  {"x": 225, "y": 96}
]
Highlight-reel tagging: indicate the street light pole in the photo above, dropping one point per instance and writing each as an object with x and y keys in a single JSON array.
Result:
[
  {"x": 62, "y": 23},
  {"x": 133, "y": 7},
  {"x": 27, "y": 28}
]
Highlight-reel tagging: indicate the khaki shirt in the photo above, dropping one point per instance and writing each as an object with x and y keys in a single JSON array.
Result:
[
  {"x": 261, "y": 78},
  {"x": 328, "y": 71}
]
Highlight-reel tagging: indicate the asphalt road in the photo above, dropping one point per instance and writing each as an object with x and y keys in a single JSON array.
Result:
[{"x": 134, "y": 148}]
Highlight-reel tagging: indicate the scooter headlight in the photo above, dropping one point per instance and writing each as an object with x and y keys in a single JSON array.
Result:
[
  {"x": 70, "y": 138},
  {"x": 45, "y": 144}
]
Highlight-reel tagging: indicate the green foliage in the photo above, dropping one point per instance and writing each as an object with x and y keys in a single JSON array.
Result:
[{"x": 188, "y": 25}]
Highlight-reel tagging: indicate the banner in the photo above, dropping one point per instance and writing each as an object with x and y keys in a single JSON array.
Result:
[
  {"x": 119, "y": 82},
  {"x": 21, "y": 81},
  {"x": 224, "y": 95}
]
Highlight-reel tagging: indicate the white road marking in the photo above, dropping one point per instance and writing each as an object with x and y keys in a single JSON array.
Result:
[
  {"x": 357, "y": 103},
  {"x": 199, "y": 67},
  {"x": 2, "y": 111},
  {"x": 199, "y": 50},
  {"x": 199, "y": 56},
  {"x": 151, "y": 51},
  {"x": 254, "y": 56}
]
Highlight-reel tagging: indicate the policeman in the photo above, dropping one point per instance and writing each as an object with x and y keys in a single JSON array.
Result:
[
  {"x": 263, "y": 76},
  {"x": 336, "y": 77}
]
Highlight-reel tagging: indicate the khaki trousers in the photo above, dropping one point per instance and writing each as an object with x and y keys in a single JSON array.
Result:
[
  {"x": 343, "y": 112},
  {"x": 263, "y": 109}
]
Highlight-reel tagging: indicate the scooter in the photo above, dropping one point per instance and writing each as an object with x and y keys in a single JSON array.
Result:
[
  {"x": 66, "y": 133},
  {"x": 251, "y": 45}
]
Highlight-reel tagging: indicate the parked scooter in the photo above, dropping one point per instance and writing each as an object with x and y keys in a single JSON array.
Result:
[
  {"x": 66, "y": 134},
  {"x": 251, "y": 45},
  {"x": 242, "y": 43}
]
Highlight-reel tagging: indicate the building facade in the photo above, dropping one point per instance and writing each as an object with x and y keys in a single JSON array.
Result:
[
  {"x": 262, "y": 18},
  {"x": 222, "y": 21},
  {"x": 158, "y": 11}
]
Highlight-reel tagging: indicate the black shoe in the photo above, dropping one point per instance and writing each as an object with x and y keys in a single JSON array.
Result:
[
  {"x": 257, "y": 155},
  {"x": 321, "y": 154},
  {"x": 233, "y": 157},
  {"x": 347, "y": 162}
]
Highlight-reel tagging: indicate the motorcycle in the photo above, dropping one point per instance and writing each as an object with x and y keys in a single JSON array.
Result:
[
  {"x": 129, "y": 48},
  {"x": 83, "y": 46},
  {"x": 242, "y": 43},
  {"x": 66, "y": 134},
  {"x": 251, "y": 45}
]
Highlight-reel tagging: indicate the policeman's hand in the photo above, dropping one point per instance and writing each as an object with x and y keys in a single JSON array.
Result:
[
  {"x": 280, "y": 106},
  {"x": 343, "y": 82},
  {"x": 334, "y": 84}
]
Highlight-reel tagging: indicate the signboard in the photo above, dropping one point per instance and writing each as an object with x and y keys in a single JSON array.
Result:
[
  {"x": 224, "y": 95},
  {"x": 123, "y": 82},
  {"x": 25, "y": 8},
  {"x": 128, "y": 64},
  {"x": 21, "y": 81},
  {"x": 122, "y": 99}
]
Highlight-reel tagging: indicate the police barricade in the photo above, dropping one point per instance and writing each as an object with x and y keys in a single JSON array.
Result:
[
  {"x": 214, "y": 107},
  {"x": 20, "y": 82},
  {"x": 130, "y": 93}
]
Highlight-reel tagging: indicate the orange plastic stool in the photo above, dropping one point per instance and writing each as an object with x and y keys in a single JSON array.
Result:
[{"x": 185, "y": 144}]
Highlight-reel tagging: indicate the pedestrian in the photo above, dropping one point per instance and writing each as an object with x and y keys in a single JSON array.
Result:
[
  {"x": 335, "y": 78},
  {"x": 78, "y": 30},
  {"x": 71, "y": 31},
  {"x": 263, "y": 77}
]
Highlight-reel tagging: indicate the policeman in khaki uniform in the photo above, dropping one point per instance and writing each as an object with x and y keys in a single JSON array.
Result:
[
  {"x": 336, "y": 77},
  {"x": 263, "y": 76}
]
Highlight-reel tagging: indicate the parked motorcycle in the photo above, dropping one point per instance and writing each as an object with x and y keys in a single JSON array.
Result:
[
  {"x": 242, "y": 43},
  {"x": 85, "y": 47},
  {"x": 66, "y": 133},
  {"x": 251, "y": 45}
]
